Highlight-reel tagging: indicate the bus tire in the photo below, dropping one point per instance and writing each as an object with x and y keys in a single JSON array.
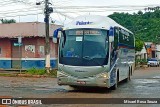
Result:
[
  {"x": 128, "y": 77},
  {"x": 131, "y": 71}
]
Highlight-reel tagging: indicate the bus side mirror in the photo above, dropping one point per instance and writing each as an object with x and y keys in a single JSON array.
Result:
[
  {"x": 56, "y": 34},
  {"x": 111, "y": 34}
]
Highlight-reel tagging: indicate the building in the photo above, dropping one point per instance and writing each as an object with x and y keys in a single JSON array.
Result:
[
  {"x": 153, "y": 50},
  {"x": 30, "y": 52},
  {"x": 158, "y": 51},
  {"x": 149, "y": 50},
  {"x": 142, "y": 54}
]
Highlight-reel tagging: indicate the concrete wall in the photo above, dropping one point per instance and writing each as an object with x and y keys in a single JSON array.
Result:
[
  {"x": 30, "y": 54},
  {"x": 36, "y": 58},
  {"x": 5, "y": 54},
  {"x": 5, "y": 48}
]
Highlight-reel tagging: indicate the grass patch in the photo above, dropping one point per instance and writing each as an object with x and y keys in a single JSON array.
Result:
[
  {"x": 8, "y": 75},
  {"x": 5, "y": 74},
  {"x": 32, "y": 72},
  {"x": 35, "y": 71}
]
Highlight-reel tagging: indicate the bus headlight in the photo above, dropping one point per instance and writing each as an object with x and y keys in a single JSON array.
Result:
[
  {"x": 104, "y": 75},
  {"x": 61, "y": 74}
]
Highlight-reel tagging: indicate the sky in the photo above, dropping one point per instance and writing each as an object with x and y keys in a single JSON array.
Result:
[{"x": 66, "y": 10}]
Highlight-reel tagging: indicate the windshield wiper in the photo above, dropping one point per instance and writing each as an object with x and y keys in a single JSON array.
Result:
[{"x": 89, "y": 58}]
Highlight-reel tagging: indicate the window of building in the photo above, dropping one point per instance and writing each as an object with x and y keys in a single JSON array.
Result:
[{"x": 41, "y": 49}]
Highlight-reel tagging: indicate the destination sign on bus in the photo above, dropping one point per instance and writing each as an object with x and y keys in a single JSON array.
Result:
[
  {"x": 75, "y": 32},
  {"x": 84, "y": 32},
  {"x": 91, "y": 32},
  {"x": 79, "y": 32}
]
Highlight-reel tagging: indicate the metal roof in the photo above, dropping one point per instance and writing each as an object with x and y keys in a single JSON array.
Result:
[{"x": 25, "y": 29}]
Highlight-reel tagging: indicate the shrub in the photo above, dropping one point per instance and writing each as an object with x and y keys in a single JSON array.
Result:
[{"x": 141, "y": 61}]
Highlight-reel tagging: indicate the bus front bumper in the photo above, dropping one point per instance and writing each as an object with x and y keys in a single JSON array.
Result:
[{"x": 90, "y": 81}]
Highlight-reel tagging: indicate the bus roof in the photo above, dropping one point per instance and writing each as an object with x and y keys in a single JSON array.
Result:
[{"x": 93, "y": 21}]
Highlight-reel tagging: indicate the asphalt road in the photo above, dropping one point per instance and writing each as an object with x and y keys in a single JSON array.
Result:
[{"x": 145, "y": 83}]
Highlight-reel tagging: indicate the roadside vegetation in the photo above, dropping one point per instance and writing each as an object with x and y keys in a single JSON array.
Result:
[
  {"x": 145, "y": 25},
  {"x": 141, "y": 61},
  {"x": 35, "y": 71},
  {"x": 6, "y": 21}
]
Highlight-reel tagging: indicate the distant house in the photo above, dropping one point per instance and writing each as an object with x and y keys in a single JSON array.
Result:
[
  {"x": 31, "y": 53},
  {"x": 149, "y": 50},
  {"x": 142, "y": 54},
  {"x": 153, "y": 50},
  {"x": 158, "y": 51}
]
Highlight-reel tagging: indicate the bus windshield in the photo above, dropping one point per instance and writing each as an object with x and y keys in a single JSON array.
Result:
[{"x": 86, "y": 44}]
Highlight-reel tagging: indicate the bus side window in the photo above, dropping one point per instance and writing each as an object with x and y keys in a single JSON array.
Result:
[
  {"x": 116, "y": 33},
  {"x": 114, "y": 45},
  {"x": 112, "y": 50}
]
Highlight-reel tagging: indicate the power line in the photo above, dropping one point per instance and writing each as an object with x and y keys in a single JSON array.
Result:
[
  {"x": 5, "y": 16},
  {"x": 20, "y": 11},
  {"x": 81, "y": 10},
  {"x": 64, "y": 10},
  {"x": 97, "y": 7},
  {"x": 5, "y": 4},
  {"x": 29, "y": 9},
  {"x": 61, "y": 12},
  {"x": 4, "y": 1}
]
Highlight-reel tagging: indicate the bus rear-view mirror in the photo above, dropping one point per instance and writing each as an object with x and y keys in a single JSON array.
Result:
[
  {"x": 56, "y": 35},
  {"x": 111, "y": 34}
]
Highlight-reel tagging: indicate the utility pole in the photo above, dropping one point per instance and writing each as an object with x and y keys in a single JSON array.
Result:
[
  {"x": 47, "y": 11},
  {"x": 47, "y": 40}
]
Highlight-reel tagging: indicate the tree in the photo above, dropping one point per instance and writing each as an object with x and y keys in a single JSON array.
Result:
[
  {"x": 140, "y": 13},
  {"x": 137, "y": 23},
  {"x": 5, "y": 21},
  {"x": 139, "y": 45}
]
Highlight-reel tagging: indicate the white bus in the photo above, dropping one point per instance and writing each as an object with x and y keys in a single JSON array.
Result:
[{"x": 94, "y": 51}]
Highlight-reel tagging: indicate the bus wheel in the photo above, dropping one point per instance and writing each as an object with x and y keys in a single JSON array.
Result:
[
  {"x": 129, "y": 77},
  {"x": 131, "y": 71}
]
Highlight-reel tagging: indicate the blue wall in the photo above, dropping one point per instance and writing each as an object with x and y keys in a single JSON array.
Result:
[
  {"x": 26, "y": 64},
  {"x": 37, "y": 64},
  {"x": 5, "y": 64}
]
